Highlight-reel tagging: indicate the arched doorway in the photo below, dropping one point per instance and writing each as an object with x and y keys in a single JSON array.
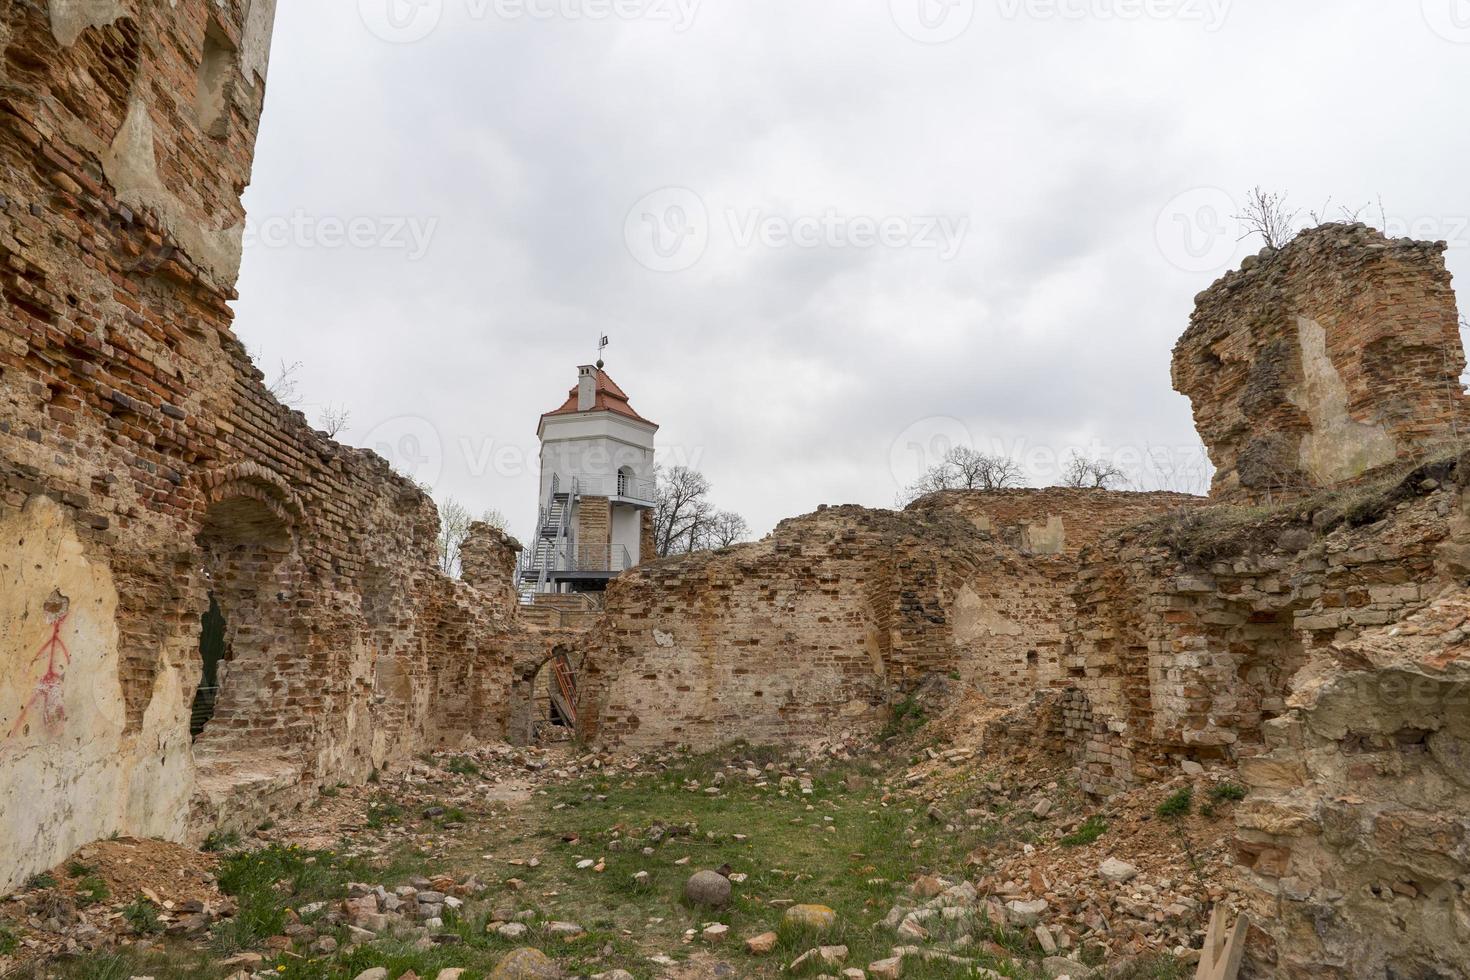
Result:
[{"x": 244, "y": 544}]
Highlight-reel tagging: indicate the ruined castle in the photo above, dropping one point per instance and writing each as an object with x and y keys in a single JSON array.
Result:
[{"x": 1306, "y": 623}]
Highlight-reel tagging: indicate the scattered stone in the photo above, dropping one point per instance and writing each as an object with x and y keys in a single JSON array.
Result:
[
  {"x": 509, "y": 930},
  {"x": 762, "y": 944},
  {"x": 1026, "y": 913},
  {"x": 376, "y": 973},
  {"x": 1116, "y": 870},
  {"x": 818, "y": 917},
  {"x": 563, "y": 930},
  {"x": 889, "y": 969},
  {"x": 526, "y": 963}
]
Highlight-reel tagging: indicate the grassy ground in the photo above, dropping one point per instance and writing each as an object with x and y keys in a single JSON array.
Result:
[{"x": 843, "y": 845}]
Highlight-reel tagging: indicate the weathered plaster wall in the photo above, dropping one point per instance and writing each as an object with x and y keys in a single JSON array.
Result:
[{"x": 1313, "y": 365}]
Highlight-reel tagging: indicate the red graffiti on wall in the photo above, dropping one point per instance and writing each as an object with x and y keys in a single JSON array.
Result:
[{"x": 48, "y": 696}]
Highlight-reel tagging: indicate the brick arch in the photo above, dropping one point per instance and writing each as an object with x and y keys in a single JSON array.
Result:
[{"x": 251, "y": 481}]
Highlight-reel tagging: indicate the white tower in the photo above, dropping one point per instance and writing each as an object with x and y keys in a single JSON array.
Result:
[{"x": 595, "y": 518}]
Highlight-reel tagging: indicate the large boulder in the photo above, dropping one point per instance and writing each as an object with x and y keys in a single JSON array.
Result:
[{"x": 708, "y": 888}]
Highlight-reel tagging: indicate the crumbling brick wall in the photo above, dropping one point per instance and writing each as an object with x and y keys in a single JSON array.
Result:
[
  {"x": 1354, "y": 845},
  {"x": 832, "y": 617},
  {"x": 487, "y": 559},
  {"x": 1334, "y": 356},
  {"x": 1055, "y": 520},
  {"x": 1189, "y": 629},
  {"x": 144, "y": 468}
]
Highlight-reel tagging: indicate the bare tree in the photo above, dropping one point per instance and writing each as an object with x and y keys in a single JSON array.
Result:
[
  {"x": 334, "y": 420},
  {"x": 1097, "y": 474},
  {"x": 454, "y": 527},
  {"x": 685, "y": 520},
  {"x": 964, "y": 468},
  {"x": 285, "y": 387},
  {"x": 682, "y": 510},
  {"x": 727, "y": 528},
  {"x": 1266, "y": 214}
]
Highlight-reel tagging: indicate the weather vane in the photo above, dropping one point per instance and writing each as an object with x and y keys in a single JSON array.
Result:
[{"x": 601, "y": 346}]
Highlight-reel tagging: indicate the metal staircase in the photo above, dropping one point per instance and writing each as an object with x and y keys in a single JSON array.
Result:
[{"x": 553, "y": 547}]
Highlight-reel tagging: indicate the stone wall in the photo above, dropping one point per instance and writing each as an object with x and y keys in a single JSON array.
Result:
[
  {"x": 1337, "y": 355},
  {"x": 1190, "y": 629},
  {"x": 487, "y": 559},
  {"x": 144, "y": 469},
  {"x": 1055, "y": 520},
  {"x": 836, "y": 615},
  {"x": 1355, "y": 843}
]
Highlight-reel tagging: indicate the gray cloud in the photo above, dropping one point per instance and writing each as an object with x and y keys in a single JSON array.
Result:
[{"x": 789, "y": 372}]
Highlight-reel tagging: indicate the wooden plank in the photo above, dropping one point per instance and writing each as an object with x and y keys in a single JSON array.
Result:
[{"x": 1223, "y": 953}]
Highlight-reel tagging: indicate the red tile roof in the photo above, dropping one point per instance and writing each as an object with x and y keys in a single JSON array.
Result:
[{"x": 609, "y": 398}]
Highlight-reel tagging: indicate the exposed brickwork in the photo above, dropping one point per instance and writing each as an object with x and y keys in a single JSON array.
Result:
[
  {"x": 1310, "y": 366},
  {"x": 126, "y": 400},
  {"x": 836, "y": 614},
  {"x": 487, "y": 559},
  {"x": 1355, "y": 845},
  {"x": 594, "y": 532},
  {"x": 1055, "y": 520},
  {"x": 1180, "y": 659}
]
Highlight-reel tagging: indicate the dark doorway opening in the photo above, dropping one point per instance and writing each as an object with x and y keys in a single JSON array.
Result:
[{"x": 212, "y": 653}]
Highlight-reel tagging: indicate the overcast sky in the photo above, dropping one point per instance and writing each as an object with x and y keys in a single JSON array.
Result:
[{"x": 825, "y": 237}]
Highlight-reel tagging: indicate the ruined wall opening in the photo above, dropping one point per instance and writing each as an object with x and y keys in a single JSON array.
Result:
[
  {"x": 246, "y": 630},
  {"x": 544, "y": 700},
  {"x": 213, "y": 652}
]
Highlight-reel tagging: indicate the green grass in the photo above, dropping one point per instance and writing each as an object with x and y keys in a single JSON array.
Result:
[
  {"x": 92, "y": 890},
  {"x": 1178, "y": 804},
  {"x": 219, "y": 841},
  {"x": 1092, "y": 828},
  {"x": 860, "y": 867},
  {"x": 141, "y": 916},
  {"x": 905, "y": 717},
  {"x": 1158, "y": 967},
  {"x": 462, "y": 766},
  {"x": 1228, "y": 792},
  {"x": 383, "y": 812},
  {"x": 76, "y": 869},
  {"x": 8, "y": 940},
  {"x": 43, "y": 879}
]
